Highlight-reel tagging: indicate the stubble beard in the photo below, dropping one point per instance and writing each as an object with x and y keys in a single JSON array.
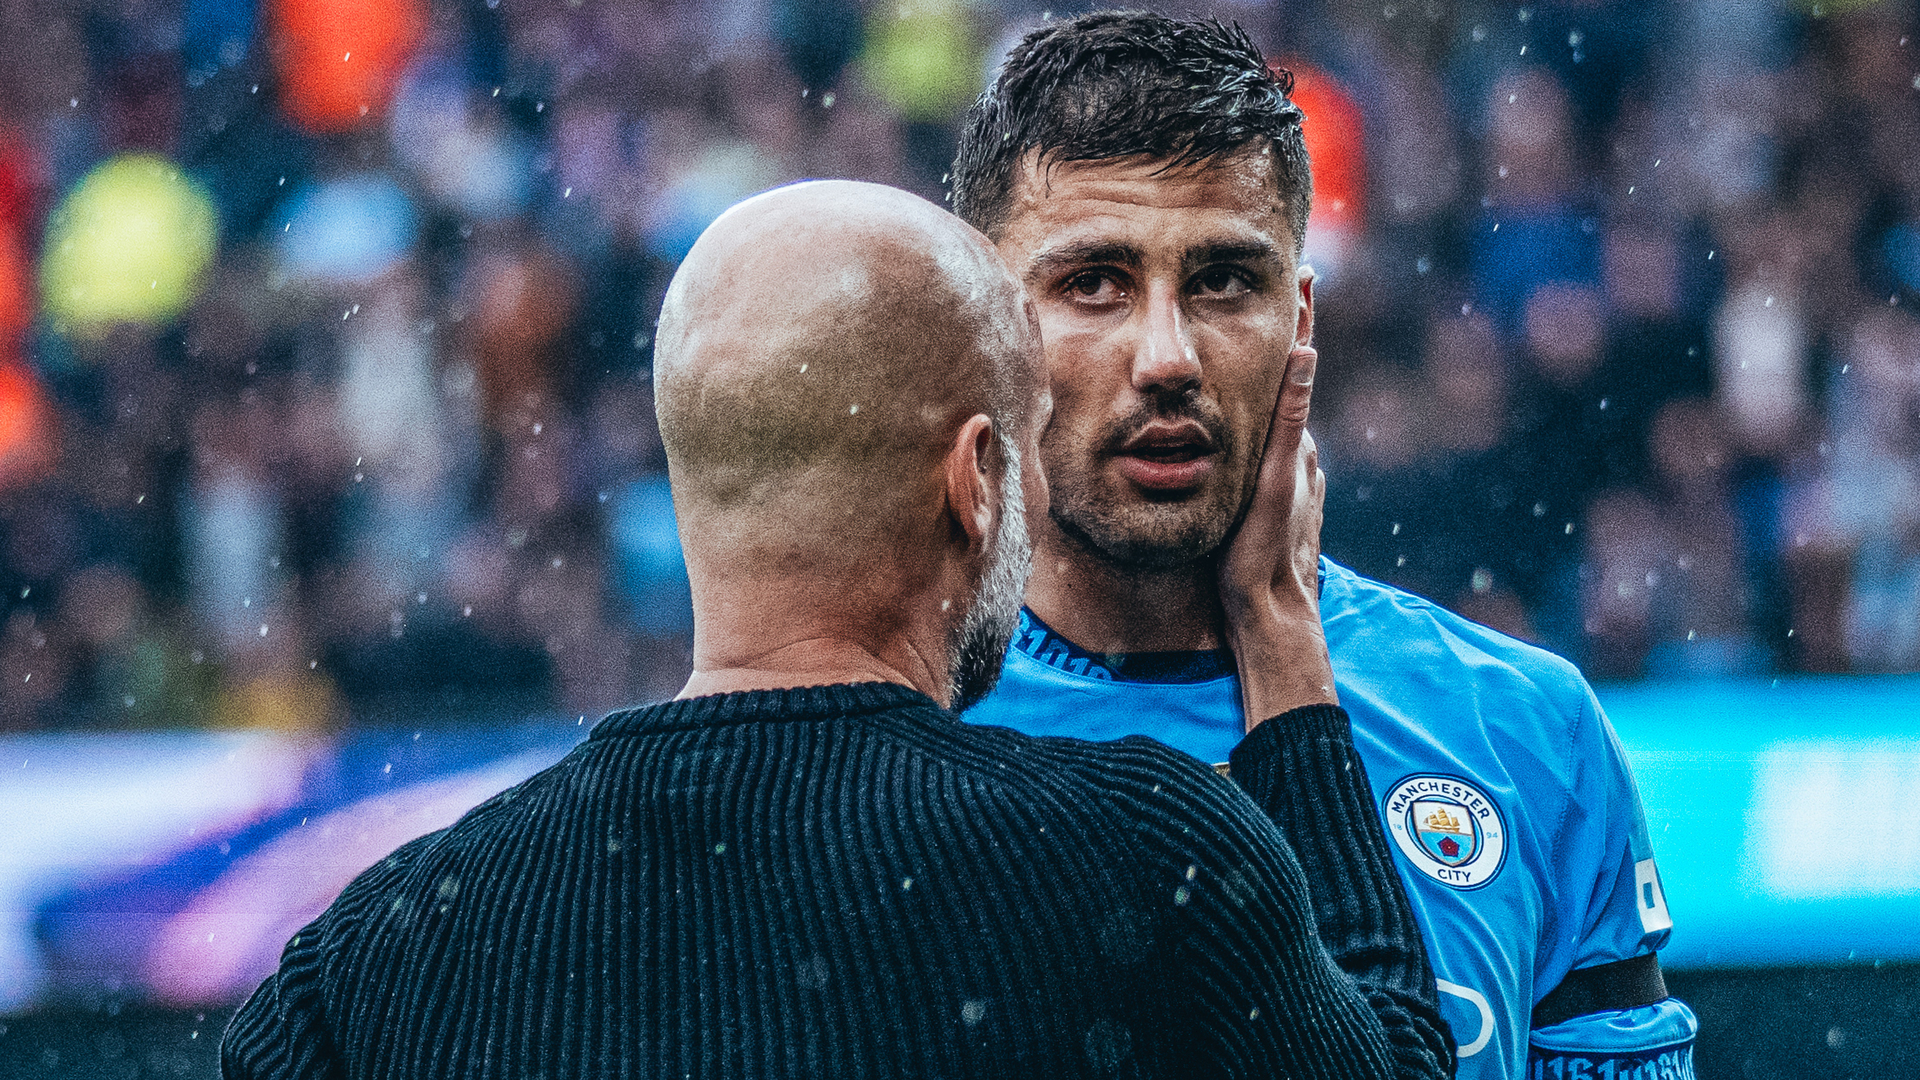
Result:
[
  {"x": 1131, "y": 531},
  {"x": 978, "y": 645}
]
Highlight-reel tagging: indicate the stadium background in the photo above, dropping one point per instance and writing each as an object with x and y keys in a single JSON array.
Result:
[{"x": 331, "y": 501}]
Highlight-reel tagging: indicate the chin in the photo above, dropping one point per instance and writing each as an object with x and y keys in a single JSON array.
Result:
[{"x": 1154, "y": 536}]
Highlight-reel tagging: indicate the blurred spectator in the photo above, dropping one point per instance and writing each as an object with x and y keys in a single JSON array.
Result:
[
  {"x": 1857, "y": 522},
  {"x": 1668, "y": 592},
  {"x": 333, "y": 317}
]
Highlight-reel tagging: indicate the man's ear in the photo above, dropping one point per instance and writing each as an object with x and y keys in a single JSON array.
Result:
[
  {"x": 969, "y": 480},
  {"x": 1303, "y": 328}
]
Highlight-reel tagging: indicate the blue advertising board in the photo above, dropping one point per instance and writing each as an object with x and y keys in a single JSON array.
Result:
[{"x": 1785, "y": 815}]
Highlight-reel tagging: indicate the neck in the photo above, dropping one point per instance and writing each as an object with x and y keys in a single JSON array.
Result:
[
  {"x": 1105, "y": 607},
  {"x": 815, "y": 662},
  {"x": 746, "y": 640}
]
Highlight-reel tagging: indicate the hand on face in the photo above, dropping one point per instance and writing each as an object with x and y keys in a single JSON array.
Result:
[
  {"x": 1165, "y": 296},
  {"x": 1270, "y": 568}
]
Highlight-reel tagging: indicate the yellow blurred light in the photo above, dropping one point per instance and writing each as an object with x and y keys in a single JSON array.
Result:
[
  {"x": 922, "y": 58},
  {"x": 129, "y": 244}
]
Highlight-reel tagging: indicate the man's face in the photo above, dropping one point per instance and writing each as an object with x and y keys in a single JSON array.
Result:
[{"x": 1168, "y": 302}]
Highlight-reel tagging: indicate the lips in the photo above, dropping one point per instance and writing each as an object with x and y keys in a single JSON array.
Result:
[{"x": 1167, "y": 456}]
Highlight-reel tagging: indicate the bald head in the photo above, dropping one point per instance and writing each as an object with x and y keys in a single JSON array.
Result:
[
  {"x": 845, "y": 374},
  {"x": 821, "y": 343}
]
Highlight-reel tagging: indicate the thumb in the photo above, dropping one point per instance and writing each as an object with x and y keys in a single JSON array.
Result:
[{"x": 1296, "y": 394}]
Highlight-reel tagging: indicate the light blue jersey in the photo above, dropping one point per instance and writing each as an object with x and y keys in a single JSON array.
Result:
[{"x": 1518, "y": 829}]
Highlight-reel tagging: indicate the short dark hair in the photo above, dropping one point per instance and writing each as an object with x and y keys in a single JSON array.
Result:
[{"x": 1120, "y": 84}]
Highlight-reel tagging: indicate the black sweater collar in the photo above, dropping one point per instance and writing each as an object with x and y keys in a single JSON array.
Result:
[{"x": 751, "y": 706}]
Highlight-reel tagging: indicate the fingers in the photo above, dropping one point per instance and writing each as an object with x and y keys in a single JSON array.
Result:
[
  {"x": 1310, "y": 463},
  {"x": 1296, "y": 394},
  {"x": 1288, "y": 427}
]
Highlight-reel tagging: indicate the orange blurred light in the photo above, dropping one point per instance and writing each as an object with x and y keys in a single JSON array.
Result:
[
  {"x": 339, "y": 61},
  {"x": 23, "y": 425},
  {"x": 1335, "y": 133}
]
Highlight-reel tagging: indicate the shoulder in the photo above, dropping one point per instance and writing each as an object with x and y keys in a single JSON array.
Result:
[
  {"x": 1378, "y": 633},
  {"x": 391, "y": 895},
  {"x": 1134, "y": 781}
]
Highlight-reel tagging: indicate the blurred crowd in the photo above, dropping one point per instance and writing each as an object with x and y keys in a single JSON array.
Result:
[{"x": 325, "y": 326}]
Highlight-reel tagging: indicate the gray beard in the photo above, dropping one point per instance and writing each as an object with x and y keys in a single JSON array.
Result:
[{"x": 978, "y": 645}]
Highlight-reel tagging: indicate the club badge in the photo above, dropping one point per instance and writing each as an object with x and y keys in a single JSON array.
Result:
[{"x": 1447, "y": 828}]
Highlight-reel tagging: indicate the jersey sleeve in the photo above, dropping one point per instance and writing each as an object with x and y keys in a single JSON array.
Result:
[
  {"x": 1623, "y": 915},
  {"x": 1626, "y": 912},
  {"x": 1648, "y": 1040}
]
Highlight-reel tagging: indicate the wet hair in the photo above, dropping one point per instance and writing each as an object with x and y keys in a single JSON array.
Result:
[{"x": 1122, "y": 84}]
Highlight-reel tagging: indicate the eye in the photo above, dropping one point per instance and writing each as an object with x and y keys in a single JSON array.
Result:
[
  {"x": 1221, "y": 282},
  {"x": 1094, "y": 287}
]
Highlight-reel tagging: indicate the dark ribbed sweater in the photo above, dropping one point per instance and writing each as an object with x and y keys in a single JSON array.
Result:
[{"x": 847, "y": 881}]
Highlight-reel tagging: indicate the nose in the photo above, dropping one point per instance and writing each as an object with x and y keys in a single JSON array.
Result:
[{"x": 1165, "y": 360}]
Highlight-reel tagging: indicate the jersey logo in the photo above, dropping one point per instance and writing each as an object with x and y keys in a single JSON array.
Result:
[
  {"x": 1653, "y": 899},
  {"x": 1448, "y": 828}
]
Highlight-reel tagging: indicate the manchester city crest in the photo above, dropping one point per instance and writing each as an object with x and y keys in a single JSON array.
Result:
[{"x": 1450, "y": 830}]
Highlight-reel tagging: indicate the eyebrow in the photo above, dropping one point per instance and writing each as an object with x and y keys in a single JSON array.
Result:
[
  {"x": 1107, "y": 252},
  {"x": 1087, "y": 253},
  {"x": 1236, "y": 252}
]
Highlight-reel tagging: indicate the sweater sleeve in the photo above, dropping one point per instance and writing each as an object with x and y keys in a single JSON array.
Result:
[
  {"x": 1301, "y": 768},
  {"x": 281, "y": 1033}
]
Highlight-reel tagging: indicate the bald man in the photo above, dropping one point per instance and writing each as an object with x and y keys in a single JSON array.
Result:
[{"x": 806, "y": 865}]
